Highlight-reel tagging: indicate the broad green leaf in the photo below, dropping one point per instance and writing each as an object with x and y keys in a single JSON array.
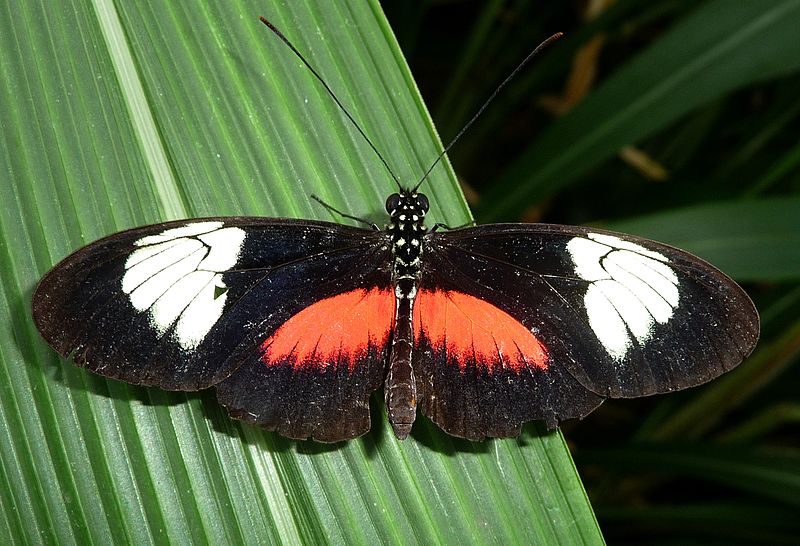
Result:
[
  {"x": 722, "y": 46},
  {"x": 119, "y": 114},
  {"x": 754, "y": 240}
]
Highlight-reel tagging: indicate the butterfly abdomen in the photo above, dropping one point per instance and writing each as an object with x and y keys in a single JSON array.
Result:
[{"x": 401, "y": 387}]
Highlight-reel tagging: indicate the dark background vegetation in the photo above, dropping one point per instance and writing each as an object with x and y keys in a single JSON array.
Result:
[{"x": 710, "y": 166}]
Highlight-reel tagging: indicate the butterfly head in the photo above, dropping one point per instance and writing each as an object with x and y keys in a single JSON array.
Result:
[{"x": 407, "y": 203}]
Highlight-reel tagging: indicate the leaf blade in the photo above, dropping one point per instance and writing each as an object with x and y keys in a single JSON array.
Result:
[{"x": 206, "y": 131}]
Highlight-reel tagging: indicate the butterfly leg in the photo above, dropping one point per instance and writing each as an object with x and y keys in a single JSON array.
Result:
[
  {"x": 440, "y": 225},
  {"x": 343, "y": 215}
]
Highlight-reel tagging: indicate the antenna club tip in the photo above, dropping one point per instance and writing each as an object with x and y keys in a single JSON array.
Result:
[{"x": 265, "y": 21}]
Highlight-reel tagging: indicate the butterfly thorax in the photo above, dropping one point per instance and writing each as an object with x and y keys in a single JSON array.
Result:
[
  {"x": 407, "y": 211},
  {"x": 406, "y": 225}
]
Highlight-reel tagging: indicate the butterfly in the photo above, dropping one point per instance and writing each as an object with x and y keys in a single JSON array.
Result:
[{"x": 295, "y": 323}]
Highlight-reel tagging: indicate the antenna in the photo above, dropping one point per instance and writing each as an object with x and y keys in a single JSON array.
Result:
[
  {"x": 286, "y": 41},
  {"x": 531, "y": 55}
]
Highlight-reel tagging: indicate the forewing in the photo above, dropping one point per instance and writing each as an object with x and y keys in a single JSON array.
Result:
[
  {"x": 182, "y": 305},
  {"x": 617, "y": 316}
]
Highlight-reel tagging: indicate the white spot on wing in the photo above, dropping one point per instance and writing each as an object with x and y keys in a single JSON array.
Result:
[
  {"x": 176, "y": 275},
  {"x": 586, "y": 256},
  {"x": 629, "y": 307},
  {"x": 608, "y": 326},
  {"x": 150, "y": 290},
  {"x": 225, "y": 245},
  {"x": 188, "y": 230},
  {"x": 616, "y": 242},
  {"x": 168, "y": 308},
  {"x": 143, "y": 253},
  {"x": 652, "y": 281},
  {"x": 140, "y": 270},
  {"x": 201, "y": 315},
  {"x": 632, "y": 288},
  {"x": 659, "y": 276}
]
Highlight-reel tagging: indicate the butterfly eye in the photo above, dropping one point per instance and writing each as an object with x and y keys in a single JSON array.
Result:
[
  {"x": 392, "y": 202},
  {"x": 424, "y": 205}
]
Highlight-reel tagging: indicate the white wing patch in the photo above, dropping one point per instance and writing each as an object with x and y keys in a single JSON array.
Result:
[
  {"x": 176, "y": 277},
  {"x": 632, "y": 288}
]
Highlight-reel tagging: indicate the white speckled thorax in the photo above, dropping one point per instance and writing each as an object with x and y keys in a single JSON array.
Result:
[{"x": 407, "y": 211}]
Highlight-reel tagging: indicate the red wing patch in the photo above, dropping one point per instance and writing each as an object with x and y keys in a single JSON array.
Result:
[
  {"x": 471, "y": 329},
  {"x": 339, "y": 329}
]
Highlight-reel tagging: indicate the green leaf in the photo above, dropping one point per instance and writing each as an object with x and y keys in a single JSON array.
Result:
[
  {"x": 119, "y": 114},
  {"x": 756, "y": 240},
  {"x": 722, "y": 46}
]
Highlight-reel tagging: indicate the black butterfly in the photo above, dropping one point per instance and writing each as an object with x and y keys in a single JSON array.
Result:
[{"x": 295, "y": 322}]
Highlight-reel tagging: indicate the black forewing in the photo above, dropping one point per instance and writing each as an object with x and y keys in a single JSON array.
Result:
[
  {"x": 538, "y": 274},
  {"x": 281, "y": 266}
]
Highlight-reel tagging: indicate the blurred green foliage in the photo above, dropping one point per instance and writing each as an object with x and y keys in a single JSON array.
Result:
[{"x": 679, "y": 121}]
